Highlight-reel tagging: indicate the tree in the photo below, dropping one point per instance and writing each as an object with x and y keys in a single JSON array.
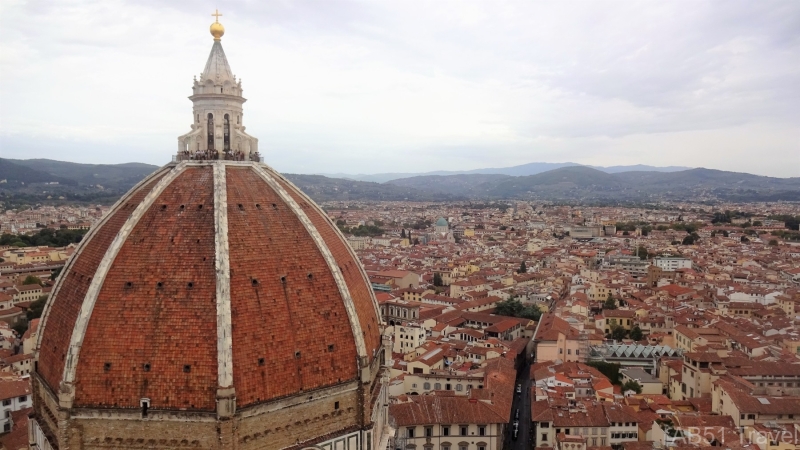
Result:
[
  {"x": 514, "y": 308},
  {"x": 510, "y": 307},
  {"x": 531, "y": 312},
  {"x": 437, "y": 279},
  {"x": 713, "y": 234},
  {"x": 632, "y": 385},
  {"x": 36, "y": 308},
  {"x": 744, "y": 239},
  {"x": 610, "y": 303},
  {"x": 55, "y": 274},
  {"x": 636, "y": 334},
  {"x": 773, "y": 242},
  {"x": 758, "y": 223},
  {"x": 641, "y": 252},
  {"x": 724, "y": 233},
  {"x": 688, "y": 240},
  {"x": 618, "y": 333},
  {"x": 522, "y": 268},
  {"x": 403, "y": 233},
  {"x": 30, "y": 279},
  {"x": 416, "y": 241},
  {"x": 610, "y": 370}
]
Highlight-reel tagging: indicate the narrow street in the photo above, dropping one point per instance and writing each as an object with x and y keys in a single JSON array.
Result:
[{"x": 523, "y": 403}]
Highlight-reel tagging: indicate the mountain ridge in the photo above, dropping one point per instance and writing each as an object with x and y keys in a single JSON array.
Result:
[
  {"x": 532, "y": 168},
  {"x": 103, "y": 183}
]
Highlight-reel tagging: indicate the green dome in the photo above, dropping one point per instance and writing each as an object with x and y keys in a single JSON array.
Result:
[{"x": 441, "y": 222}]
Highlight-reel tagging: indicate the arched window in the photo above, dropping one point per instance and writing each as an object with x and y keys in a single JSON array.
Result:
[
  {"x": 426, "y": 385},
  {"x": 226, "y": 133},
  {"x": 210, "y": 131}
]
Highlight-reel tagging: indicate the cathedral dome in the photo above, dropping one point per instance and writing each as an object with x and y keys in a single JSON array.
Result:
[
  {"x": 213, "y": 288},
  {"x": 208, "y": 276},
  {"x": 442, "y": 222},
  {"x": 214, "y": 306}
]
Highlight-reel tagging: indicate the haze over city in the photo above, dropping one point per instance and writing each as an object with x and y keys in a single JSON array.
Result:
[{"x": 360, "y": 87}]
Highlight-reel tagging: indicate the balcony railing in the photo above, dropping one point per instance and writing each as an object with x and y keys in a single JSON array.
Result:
[{"x": 213, "y": 155}]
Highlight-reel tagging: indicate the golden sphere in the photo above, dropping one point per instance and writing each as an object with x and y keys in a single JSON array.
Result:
[{"x": 217, "y": 30}]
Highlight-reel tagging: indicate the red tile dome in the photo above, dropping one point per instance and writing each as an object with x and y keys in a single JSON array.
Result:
[{"x": 206, "y": 277}]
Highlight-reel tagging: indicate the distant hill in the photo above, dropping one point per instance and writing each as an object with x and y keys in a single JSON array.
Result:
[
  {"x": 472, "y": 186},
  {"x": 14, "y": 173},
  {"x": 585, "y": 183},
  {"x": 515, "y": 171},
  {"x": 104, "y": 183},
  {"x": 321, "y": 188},
  {"x": 110, "y": 176}
]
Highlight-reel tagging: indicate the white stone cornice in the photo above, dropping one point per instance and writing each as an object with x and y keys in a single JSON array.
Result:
[
  {"x": 333, "y": 266},
  {"x": 79, "y": 331},
  {"x": 84, "y": 242}
]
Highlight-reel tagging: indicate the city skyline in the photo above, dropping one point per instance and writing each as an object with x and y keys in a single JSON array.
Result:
[{"x": 367, "y": 88}]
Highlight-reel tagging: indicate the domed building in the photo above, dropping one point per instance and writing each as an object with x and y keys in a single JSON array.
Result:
[
  {"x": 215, "y": 306},
  {"x": 441, "y": 231},
  {"x": 441, "y": 225}
]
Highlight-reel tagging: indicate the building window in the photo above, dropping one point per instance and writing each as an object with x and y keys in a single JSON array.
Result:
[
  {"x": 463, "y": 430},
  {"x": 544, "y": 438},
  {"x": 428, "y": 431},
  {"x": 145, "y": 404},
  {"x": 6, "y": 402},
  {"x": 426, "y": 386},
  {"x": 445, "y": 430},
  {"x": 437, "y": 386},
  {"x": 481, "y": 430},
  {"x": 459, "y": 387}
]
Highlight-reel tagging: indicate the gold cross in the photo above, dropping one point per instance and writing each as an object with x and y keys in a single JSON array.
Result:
[{"x": 216, "y": 14}]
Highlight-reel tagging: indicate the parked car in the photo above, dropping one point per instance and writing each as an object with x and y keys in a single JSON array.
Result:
[
  {"x": 516, "y": 415},
  {"x": 519, "y": 389}
]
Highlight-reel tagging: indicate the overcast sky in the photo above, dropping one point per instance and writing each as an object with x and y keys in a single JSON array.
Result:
[{"x": 413, "y": 86}]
